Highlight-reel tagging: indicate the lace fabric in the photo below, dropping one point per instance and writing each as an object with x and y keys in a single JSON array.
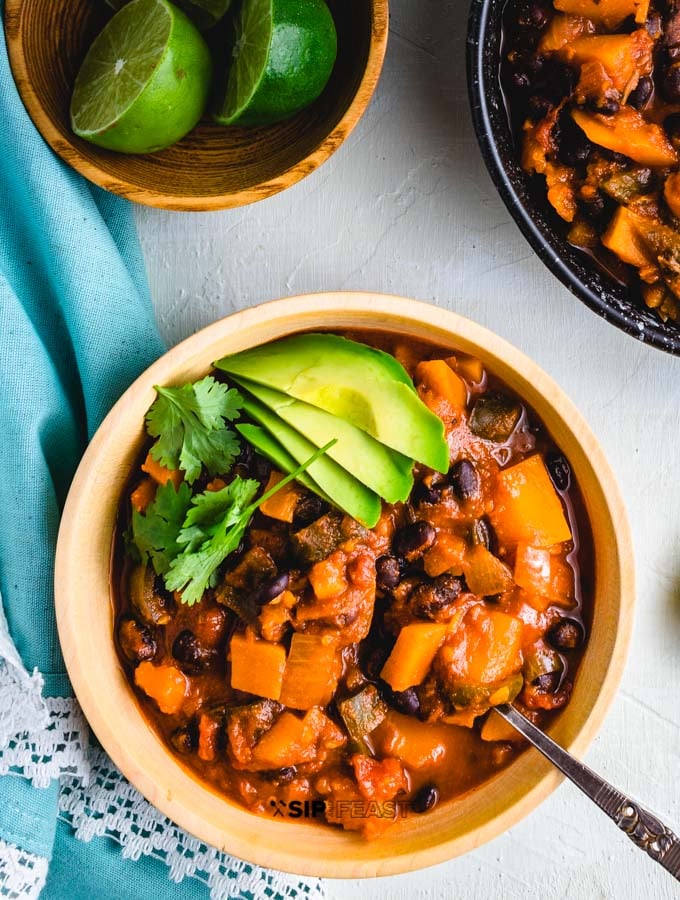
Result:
[
  {"x": 42, "y": 739},
  {"x": 22, "y": 875}
]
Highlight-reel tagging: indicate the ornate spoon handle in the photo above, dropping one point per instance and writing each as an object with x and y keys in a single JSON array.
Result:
[{"x": 644, "y": 829}]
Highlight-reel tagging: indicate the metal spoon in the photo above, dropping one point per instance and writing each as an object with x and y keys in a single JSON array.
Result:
[{"x": 644, "y": 829}]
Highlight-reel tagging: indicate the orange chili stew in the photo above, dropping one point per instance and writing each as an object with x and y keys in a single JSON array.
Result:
[
  {"x": 593, "y": 92},
  {"x": 364, "y": 682}
]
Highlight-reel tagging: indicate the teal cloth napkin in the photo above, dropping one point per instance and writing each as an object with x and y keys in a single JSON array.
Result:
[{"x": 76, "y": 328}]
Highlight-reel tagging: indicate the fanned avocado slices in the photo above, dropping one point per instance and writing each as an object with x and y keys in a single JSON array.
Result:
[
  {"x": 364, "y": 386},
  {"x": 384, "y": 471},
  {"x": 343, "y": 489}
]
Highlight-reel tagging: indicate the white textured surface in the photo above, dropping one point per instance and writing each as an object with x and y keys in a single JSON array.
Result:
[{"x": 406, "y": 207}]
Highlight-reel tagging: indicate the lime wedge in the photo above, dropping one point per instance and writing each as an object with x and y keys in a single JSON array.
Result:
[
  {"x": 205, "y": 13},
  {"x": 283, "y": 55},
  {"x": 145, "y": 80}
]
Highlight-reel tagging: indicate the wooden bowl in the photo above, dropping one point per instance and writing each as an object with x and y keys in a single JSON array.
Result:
[
  {"x": 85, "y": 610},
  {"x": 212, "y": 167}
]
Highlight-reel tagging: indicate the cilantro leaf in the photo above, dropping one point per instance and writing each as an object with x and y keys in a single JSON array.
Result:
[
  {"x": 190, "y": 424},
  {"x": 156, "y": 531},
  {"x": 213, "y": 528}
]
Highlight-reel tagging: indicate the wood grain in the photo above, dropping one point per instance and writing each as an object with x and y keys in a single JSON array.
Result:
[
  {"x": 212, "y": 167},
  {"x": 84, "y": 606}
]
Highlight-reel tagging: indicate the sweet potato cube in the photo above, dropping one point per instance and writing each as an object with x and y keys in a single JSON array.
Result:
[
  {"x": 257, "y": 666},
  {"x": 447, "y": 554},
  {"x": 622, "y": 56},
  {"x": 412, "y": 655},
  {"x": 328, "y": 578},
  {"x": 485, "y": 649},
  {"x": 415, "y": 743},
  {"x": 623, "y": 238},
  {"x": 546, "y": 577},
  {"x": 629, "y": 133},
  {"x": 161, "y": 474},
  {"x": 165, "y": 684},
  {"x": 608, "y": 12},
  {"x": 562, "y": 30},
  {"x": 439, "y": 378},
  {"x": 289, "y": 742},
  {"x": 527, "y": 506},
  {"x": 282, "y": 504}
]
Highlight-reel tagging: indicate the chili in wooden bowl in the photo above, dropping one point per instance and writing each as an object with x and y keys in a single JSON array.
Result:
[{"x": 356, "y": 694}]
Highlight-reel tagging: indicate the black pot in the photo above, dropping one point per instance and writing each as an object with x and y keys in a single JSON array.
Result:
[{"x": 621, "y": 306}]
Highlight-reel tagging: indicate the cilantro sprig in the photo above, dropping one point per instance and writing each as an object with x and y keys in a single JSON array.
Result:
[
  {"x": 156, "y": 530},
  {"x": 188, "y": 538},
  {"x": 190, "y": 424}
]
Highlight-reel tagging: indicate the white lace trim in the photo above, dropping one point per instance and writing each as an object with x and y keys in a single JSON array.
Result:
[
  {"x": 22, "y": 875},
  {"x": 111, "y": 807},
  {"x": 21, "y": 704},
  {"x": 43, "y": 739},
  {"x": 58, "y": 747}
]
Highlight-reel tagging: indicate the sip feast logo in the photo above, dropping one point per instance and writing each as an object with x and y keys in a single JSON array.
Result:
[
  {"x": 354, "y": 809},
  {"x": 298, "y": 809}
]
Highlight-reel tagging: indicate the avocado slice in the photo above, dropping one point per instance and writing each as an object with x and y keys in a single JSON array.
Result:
[
  {"x": 269, "y": 447},
  {"x": 364, "y": 386},
  {"x": 342, "y": 488},
  {"x": 384, "y": 471}
]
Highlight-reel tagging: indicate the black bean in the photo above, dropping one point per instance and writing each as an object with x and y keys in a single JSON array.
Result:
[
  {"x": 413, "y": 540},
  {"x": 272, "y": 587},
  {"x": 286, "y": 774},
  {"x": 670, "y": 83},
  {"x": 639, "y": 97},
  {"x": 261, "y": 468},
  {"x": 594, "y": 208},
  {"x": 432, "y": 597},
  {"x": 521, "y": 80},
  {"x": 573, "y": 147},
  {"x": 672, "y": 125},
  {"x": 136, "y": 640},
  {"x": 559, "y": 471},
  {"x": 406, "y": 702},
  {"x": 184, "y": 740},
  {"x": 609, "y": 106},
  {"x": 308, "y": 510},
  {"x": 548, "y": 682},
  {"x": 567, "y": 634},
  {"x": 423, "y": 493},
  {"x": 539, "y": 106},
  {"x": 482, "y": 532},
  {"x": 388, "y": 572},
  {"x": 188, "y": 650},
  {"x": 654, "y": 25},
  {"x": 532, "y": 15},
  {"x": 464, "y": 479},
  {"x": 426, "y": 799}
]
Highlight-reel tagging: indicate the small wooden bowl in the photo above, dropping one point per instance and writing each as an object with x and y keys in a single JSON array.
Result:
[
  {"x": 212, "y": 167},
  {"x": 85, "y": 611}
]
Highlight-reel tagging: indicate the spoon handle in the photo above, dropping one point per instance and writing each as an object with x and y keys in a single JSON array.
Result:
[{"x": 643, "y": 828}]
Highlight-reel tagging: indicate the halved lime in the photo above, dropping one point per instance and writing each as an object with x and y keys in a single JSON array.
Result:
[
  {"x": 283, "y": 56},
  {"x": 145, "y": 80}
]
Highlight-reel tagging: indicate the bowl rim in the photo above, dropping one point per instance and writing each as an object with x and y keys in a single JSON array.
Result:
[
  {"x": 196, "y": 203},
  {"x": 479, "y": 94},
  {"x": 386, "y": 310}
]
